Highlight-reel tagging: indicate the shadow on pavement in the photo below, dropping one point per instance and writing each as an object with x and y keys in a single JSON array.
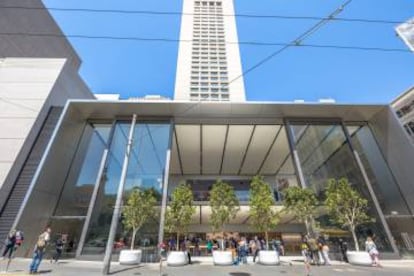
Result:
[
  {"x": 115, "y": 271},
  {"x": 239, "y": 274},
  {"x": 44, "y": 271}
]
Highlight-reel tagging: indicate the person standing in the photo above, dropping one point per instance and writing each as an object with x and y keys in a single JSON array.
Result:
[
  {"x": 39, "y": 250},
  {"x": 343, "y": 246},
  {"x": 243, "y": 251},
  {"x": 19, "y": 239},
  {"x": 10, "y": 244},
  {"x": 257, "y": 246},
  {"x": 304, "y": 248},
  {"x": 324, "y": 249},
  {"x": 372, "y": 250}
]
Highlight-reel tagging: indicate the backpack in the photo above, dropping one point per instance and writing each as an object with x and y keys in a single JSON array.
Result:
[{"x": 41, "y": 242}]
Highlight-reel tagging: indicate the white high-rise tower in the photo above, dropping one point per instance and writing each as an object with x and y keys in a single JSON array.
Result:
[{"x": 209, "y": 66}]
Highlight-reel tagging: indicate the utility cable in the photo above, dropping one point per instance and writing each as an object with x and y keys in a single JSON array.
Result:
[
  {"x": 296, "y": 42},
  {"x": 248, "y": 43},
  {"x": 174, "y": 13}
]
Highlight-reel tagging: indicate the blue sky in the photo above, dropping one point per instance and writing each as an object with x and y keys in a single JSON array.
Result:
[{"x": 136, "y": 68}]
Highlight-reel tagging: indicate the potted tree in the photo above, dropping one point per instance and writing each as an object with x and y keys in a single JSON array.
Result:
[
  {"x": 138, "y": 209},
  {"x": 349, "y": 209},
  {"x": 224, "y": 207},
  {"x": 178, "y": 217},
  {"x": 263, "y": 217},
  {"x": 302, "y": 204}
]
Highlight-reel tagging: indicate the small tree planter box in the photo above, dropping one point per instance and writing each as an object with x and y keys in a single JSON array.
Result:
[
  {"x": 130, "y": 257},
  {"x": 269, "y": 257},
  {"x": 359, "y": 258},
  {"x": 222, "y": 258},
  {"x": 177, "y": 258}
]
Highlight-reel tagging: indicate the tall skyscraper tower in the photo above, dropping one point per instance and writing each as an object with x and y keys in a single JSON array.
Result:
[{"x": 209, "y": 56}]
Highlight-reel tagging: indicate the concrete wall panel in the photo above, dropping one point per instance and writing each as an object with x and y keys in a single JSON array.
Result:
[{"x": 397, "y": 150}]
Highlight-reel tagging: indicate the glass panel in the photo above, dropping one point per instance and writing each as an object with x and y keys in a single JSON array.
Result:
[
  {"x": 69, "y": 231},
  {"x": 386, "y": 188},
  {"x": 98, "y": 231},
  {"x": 146, "y": 171},
  {"x": 324, "y": 153},
  {"x": 77, "y": 192}
]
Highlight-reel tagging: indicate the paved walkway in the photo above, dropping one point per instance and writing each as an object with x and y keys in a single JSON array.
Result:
[{"x": 80, "y": 268}]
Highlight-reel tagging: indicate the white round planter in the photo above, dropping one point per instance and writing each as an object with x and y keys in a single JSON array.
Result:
[
  {"x": 268, "y": 257},
  {"x": 222, "y": 258},
  {"x": 130, "y": 257},
  {"x": 359, "y": 258},
  {"x": 177, "y": 258}
]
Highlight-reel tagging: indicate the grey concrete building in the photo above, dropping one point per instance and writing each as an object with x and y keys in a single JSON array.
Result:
[
  {"x": 38, "y": 75},
  {"x": 404, "y": 108},
  {"x": 66, "y": 161}
]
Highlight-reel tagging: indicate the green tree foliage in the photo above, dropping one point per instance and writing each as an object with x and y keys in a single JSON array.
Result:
[
  {"x": 262, "y": 216},
  {"x": 140, "y": 206},
  {"x": 224, "y": 205},
  {"x": 302, "y": 203},
  {"x": 346, "y": 206},
  {"x": 180, "y": 211}
]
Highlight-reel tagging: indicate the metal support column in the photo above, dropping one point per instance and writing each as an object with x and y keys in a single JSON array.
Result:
[
  {"x": 165, "y": 186},
  {"x": 92, "y": 203},
  {"x": 295, "y": 156},
  {"x": 370, "y": 190},
  {"x": 117, "y": 208}
]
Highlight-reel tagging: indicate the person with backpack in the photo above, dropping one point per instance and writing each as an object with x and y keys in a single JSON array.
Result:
[
  {"x": 10, "y": 244},
  {"x": 39, "y": 250},
  {"x": 313, "y": 247}
]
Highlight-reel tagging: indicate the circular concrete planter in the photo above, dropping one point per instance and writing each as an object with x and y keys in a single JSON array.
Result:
[
  {"x": 130, "y": 257},
  {"x": 177, "y": 258},
  {"x": 268, "y": 257},
  {"x": 359, "y": 258},
  {"x": 222, "y": 258}
]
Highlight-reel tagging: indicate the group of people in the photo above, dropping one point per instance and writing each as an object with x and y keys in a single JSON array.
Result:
[
  {"x": 241, "y": 247},
  {"x": 315, "y": 251},
  {"x": 15, "y": 239}
]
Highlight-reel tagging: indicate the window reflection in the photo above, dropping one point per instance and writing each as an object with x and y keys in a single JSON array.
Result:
[
  {"x": 98, "y": 231},
  {"x": 146, "y": 171},
  {"x": 324, "y": 153},
  {"x": 75, "y": 198}
]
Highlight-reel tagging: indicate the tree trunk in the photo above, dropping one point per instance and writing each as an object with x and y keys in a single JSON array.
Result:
[
  {"x": 267, "y": 240},
  {"x": 178, "y": 241},
  {"x": 222, "y": 241},
  {"x": 355, "y": 238},
  {"x": 134, "y": 233},
  {"x": 307, "y": 226}
]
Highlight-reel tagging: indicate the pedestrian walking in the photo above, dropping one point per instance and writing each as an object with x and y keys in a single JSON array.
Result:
[
  {"x": 10, "y": 245},
  {"x": 58, "y": 250},
  {"x": 39, "y": 250},
  {"x": 304, "y": 247},
  {"x": 313, "y": 248},
  {"x": 372, "y": 250}
]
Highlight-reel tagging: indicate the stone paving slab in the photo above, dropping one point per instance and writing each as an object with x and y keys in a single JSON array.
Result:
[{"x": 80, "y": 268}]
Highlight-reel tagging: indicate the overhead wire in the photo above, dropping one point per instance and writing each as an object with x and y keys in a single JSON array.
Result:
[
  {"x": 175, "y": 13},
  {"x": 295, "y": 42},
  {"x": 248, "y": 43}
]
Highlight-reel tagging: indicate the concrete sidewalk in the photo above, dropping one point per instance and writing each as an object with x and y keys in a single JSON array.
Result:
[{"x": 200, "y": 268}]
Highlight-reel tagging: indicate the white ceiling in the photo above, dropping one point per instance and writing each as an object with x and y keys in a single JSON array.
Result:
[{"x": 230, "y": 150}]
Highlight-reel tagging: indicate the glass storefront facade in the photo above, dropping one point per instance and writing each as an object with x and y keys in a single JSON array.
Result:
[{"x": 298, "y": 153}]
